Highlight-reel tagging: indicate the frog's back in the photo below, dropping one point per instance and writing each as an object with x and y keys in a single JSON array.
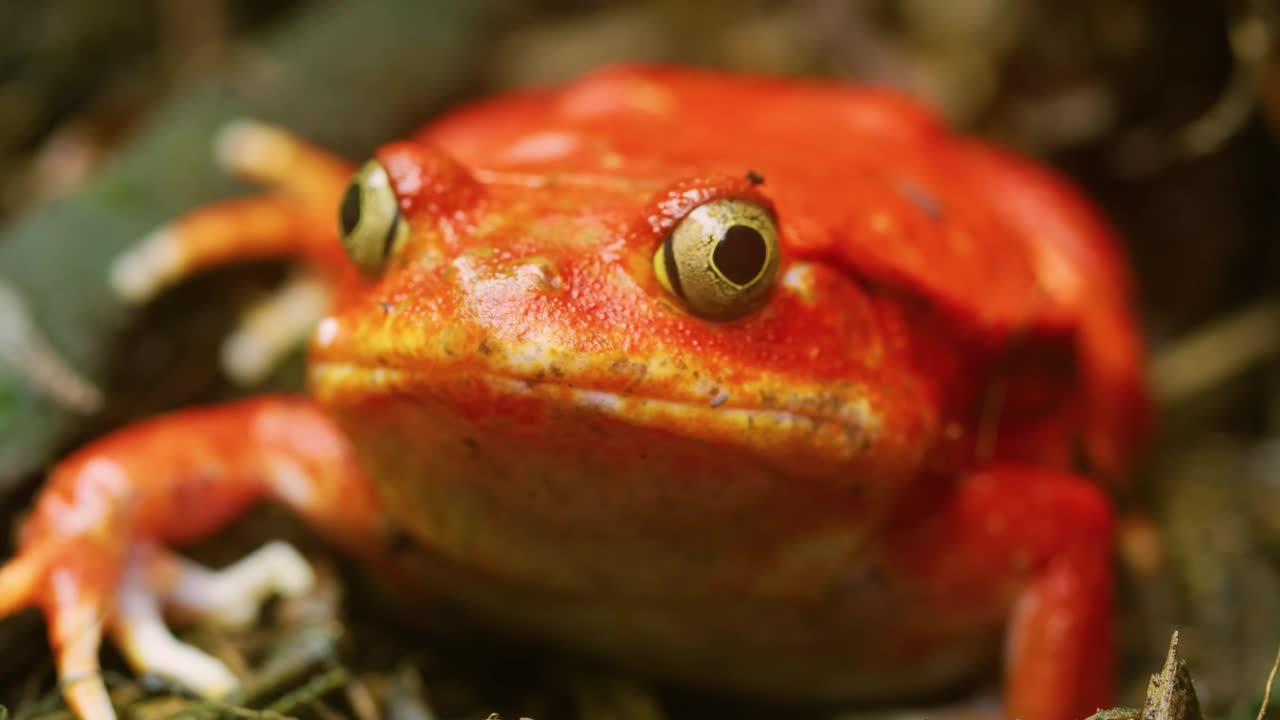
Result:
[{"x": 869, "y": 180}]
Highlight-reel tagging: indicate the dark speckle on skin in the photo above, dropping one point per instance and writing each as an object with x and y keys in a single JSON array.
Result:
[
  {"x": 630, "y": 369},
  {"x": 755, "y": 178},
  {"x": 387, "y": 307},
  {"x": 472, "y": 444},
  {"x": 923, "y": 200},
  {"x": 485, "y": 348},
  {"x": 555, "y": 371},
  {"x": 721, "y": 398}
]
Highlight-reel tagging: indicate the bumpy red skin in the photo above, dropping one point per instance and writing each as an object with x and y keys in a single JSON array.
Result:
[{"x": 855, "y": 492}]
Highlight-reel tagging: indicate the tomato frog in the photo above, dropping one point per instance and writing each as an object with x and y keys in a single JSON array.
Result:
[{"x": 758, "y": 385}]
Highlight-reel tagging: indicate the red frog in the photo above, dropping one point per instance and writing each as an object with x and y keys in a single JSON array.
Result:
[{"x": 753, "y": 384}]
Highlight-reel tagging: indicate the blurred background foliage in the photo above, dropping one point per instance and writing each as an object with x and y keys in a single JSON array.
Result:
[{"x": 1165, "y": 111}]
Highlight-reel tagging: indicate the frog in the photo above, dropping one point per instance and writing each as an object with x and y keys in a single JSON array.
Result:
[{"x": 759, "y": 385}]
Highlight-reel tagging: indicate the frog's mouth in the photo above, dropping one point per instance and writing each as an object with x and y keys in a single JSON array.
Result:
[{"x": 817, "y": 422}]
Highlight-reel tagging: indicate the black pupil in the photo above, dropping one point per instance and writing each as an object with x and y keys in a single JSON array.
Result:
[
  {"x": 740, "y": 254},
  {"x": 349, "y": 215}
]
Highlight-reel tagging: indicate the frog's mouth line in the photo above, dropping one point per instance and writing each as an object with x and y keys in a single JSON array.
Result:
[{"x": 836, "y": 436}]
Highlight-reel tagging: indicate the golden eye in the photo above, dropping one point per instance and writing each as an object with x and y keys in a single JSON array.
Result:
[
  {"x": 721, "y": 259},
  {"x": 369, "y": 216}
]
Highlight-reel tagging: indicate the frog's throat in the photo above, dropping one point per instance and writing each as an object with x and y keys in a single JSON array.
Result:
[{"x": 834, "y": 431}]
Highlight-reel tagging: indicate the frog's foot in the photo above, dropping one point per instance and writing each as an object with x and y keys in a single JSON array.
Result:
[
  {"x": 154, "y": 579},
  {"x": 125, "y": 593},
  {"x": 92, "y": 553},
  {"x": 297, "y": 219}
]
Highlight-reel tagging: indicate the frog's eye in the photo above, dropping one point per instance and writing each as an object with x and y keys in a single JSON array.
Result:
[
  {"x": 721, "y": 259},
  {"x": 370, "y": 218}
]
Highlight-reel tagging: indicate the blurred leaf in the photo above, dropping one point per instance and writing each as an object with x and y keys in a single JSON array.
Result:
[{"x": 346, "y": 75}]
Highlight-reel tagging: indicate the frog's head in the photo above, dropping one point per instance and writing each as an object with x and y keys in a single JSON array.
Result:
[
  {"x": 560, "y": 279},
  {"x": 669, "y": 305}
]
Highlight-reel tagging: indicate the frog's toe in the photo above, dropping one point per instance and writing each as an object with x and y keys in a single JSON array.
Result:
[
  {"x": 141, "y": 634},
  {"x": 231, "y": 596},
  {"x": 275, "y": 157},
  {"x": 139, "y": 273},
  {"x": 275, "y": 326},
  {"x": 242, "y": 145},
  {"x": 77, "y": 660}
]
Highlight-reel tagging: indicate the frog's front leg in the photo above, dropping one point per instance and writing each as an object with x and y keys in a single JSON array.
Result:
[
  {"x": 92, "y": 554},
  {"x": 1043, "y": 537},
  {"x": 297, "y": 220}
]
